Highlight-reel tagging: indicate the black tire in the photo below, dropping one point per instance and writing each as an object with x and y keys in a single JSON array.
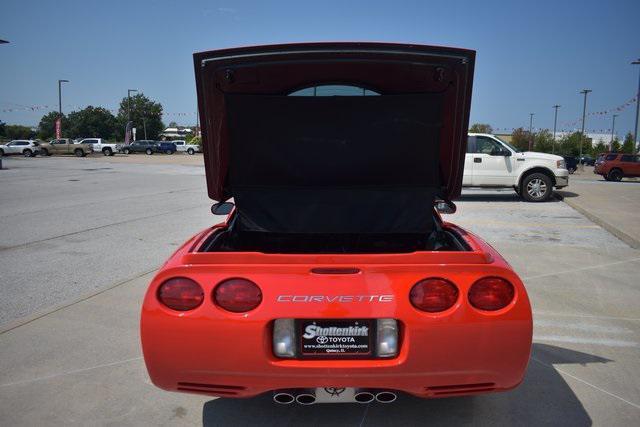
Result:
[
  {"x": 78, "y": 152},
  {"x": 536, "y": 187},
  {"x": 149, "y": 151},
  {"x": 1, "y": 152},
  {"x": 44, "y": 152},
  {"x": 107, "y": 152},
  {"x": 615, "y": 175},
  {"x": 168, "y": 152},
  {"x": 191, "y": 151},
  {"x": 126, "y": 151},
  {"x": 572, "y": 170},
  {"x": 27, "y": 153}
]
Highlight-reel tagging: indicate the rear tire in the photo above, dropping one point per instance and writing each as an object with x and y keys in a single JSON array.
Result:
[
  {"x": 149, "y": 151},
  {"x": 44, "y": 152},
  {"x": 191, "y": 151},
  {"x": 536, "y": 187},
  {"x": 615, "y": 175},
  {"x": 572, "y": 170},
  {"x": 168, "y": 152},
  {"x": 79, "y": 153},
  {"x": 126, "y": 151},
  {"x": 107, "y": 152},
  {"x": 1, "y": 152},
  {"x": 27, "y": 153}
]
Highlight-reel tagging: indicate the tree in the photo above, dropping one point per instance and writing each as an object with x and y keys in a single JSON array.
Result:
[
  {"x": 47, "y": 126},
  {"x": 18, "y": 132},
  {"x": 144, "y": 113},
  {"x": 615, "y": 145},
  {"x": 570, "y": 144},
  {"x": 543, "y": 141},
  {"x": 96, "y": 122},
  {"x": 600, "y": 147},
  {"x": 3, "y": 126},
  {"x": 481, "y": 128},
  {"x": 520, "y": 139},
  {"x": 627, "y": 145},
  {"x": 173, "y": 125}
]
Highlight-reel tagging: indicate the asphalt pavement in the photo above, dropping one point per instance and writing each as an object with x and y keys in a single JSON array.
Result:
[{"x": 81, "y": 238}]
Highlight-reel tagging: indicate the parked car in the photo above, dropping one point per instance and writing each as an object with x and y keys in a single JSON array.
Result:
[
  {"x": 141, "y": 146},
  {"x": 587, "y": 160},
  {"x": 492, "y": 162},
  {"x": 615, "y": 166},
  {"x": 183, "y": 147},
  {"x": 26, "y": 147},
  {"x": 571, "y": 162},
  {"x": 335, "y": 279},
  {"x": 100, "y": 145},
  {"x": 167, "y": 147},
  {"x": 64, "y": 146}
]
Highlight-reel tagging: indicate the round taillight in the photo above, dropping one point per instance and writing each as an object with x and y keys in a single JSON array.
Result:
[
  {"x": 433, "y": 295},
  {"x": 180, "y": 294},
  {"x": 237, "y": 295},
  {"x": 491, "y": 293}
]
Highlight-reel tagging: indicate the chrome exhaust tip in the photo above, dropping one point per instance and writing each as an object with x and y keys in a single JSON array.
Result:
[
  {"x": 306, "y": 399},
  {"x": 364, "y": 397},
  {"x": 283, "y": 398},
  {"x": 386, "y": 397}
]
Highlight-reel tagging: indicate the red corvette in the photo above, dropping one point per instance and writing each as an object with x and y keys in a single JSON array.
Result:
[{"x": 334, "y": 278}]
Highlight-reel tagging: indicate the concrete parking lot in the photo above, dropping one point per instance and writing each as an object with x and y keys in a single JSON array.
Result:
[{"x": 81, "y": 238}]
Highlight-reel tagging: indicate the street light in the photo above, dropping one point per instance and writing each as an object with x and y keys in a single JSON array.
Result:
[
  {"x": 584, "y": 112},
  {"x": 613, "y": 127},
  {"x": 129, "y": 103},
  {"x": 555, "y": 122},
  {"x": 635, "y": 129},
  {"x": 60, "y": 95},
  {"x": 531, "y": 130}
]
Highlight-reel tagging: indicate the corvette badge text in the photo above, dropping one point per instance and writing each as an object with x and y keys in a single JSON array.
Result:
[{"x": 335, "y": 298}]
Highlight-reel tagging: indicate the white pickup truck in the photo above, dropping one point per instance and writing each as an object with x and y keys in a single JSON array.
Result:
[
  {"x": 99, "y": 144},
  {"x": 183, "y": 147},
  {"x": 492, "y": 162}
]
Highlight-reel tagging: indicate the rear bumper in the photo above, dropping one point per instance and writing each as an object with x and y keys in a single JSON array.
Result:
[{"x": 456, "y": 352}]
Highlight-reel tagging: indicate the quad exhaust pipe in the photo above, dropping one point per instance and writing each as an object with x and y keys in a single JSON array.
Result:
[{"x": 308, "y": 396}]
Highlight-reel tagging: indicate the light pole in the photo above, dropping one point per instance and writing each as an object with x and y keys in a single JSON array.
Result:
[
  {"x": 129, "y": 103},
  {"x": 584, "y": 113},
  {"x": 60, "y": 96},
  {"x": 613, "y": 128},
  {"x": 555, "y": 122},
  {"x": 531, "y": 130},
  {"x": 635, "y": 128}
]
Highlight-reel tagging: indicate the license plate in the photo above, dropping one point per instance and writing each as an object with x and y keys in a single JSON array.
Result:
[{"x": 337, "y": 338}]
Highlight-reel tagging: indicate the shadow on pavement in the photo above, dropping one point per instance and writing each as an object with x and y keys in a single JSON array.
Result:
[{"x": 544, "y": 398}]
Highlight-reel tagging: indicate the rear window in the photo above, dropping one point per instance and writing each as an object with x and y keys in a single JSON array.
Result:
[
  {"x": 611, "y": 156},
  {"x": 334, "y": 90}
]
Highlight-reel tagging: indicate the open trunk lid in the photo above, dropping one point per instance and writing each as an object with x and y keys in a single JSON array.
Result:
[{"x": 334, "y": 164}]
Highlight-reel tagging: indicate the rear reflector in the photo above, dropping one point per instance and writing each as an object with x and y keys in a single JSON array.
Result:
[
  {"x": 180, "y": 294},
  {"x": 433, "y": 295},
  {"x": 237, "y": 295},
  {"x": 491, "y": 293}
]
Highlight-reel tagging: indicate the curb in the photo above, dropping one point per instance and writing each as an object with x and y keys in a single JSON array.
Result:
[{"x": 629, "y": 240}]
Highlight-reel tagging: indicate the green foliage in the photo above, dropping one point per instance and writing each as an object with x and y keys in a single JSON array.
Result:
[
  {"x": 481, "y": 128},
  {"x": 18, "y": 132},
  {"x": 3, "y": 127},
  {"x": 600, "y": 147},
  {"x": 143, "y": 112},
  {"x": 520, "y": 139},
  {"x": 173, "y": 125},
  {"x": 616, "y": 146},
  {"x": 570, "y": 144},
  {"x": 627, "y": 145},
  {"x": 47, "y": 126},
  {"x": 96, "y": 122},
  {"x": 196, "y": 140},
  {"x": 543, "y": 141}
]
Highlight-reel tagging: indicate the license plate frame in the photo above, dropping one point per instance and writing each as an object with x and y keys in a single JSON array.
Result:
[{"x": 336, "y": 346}]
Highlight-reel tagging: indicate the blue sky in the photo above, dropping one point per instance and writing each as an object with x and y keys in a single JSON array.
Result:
[{"x": 530, "y": 55}]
